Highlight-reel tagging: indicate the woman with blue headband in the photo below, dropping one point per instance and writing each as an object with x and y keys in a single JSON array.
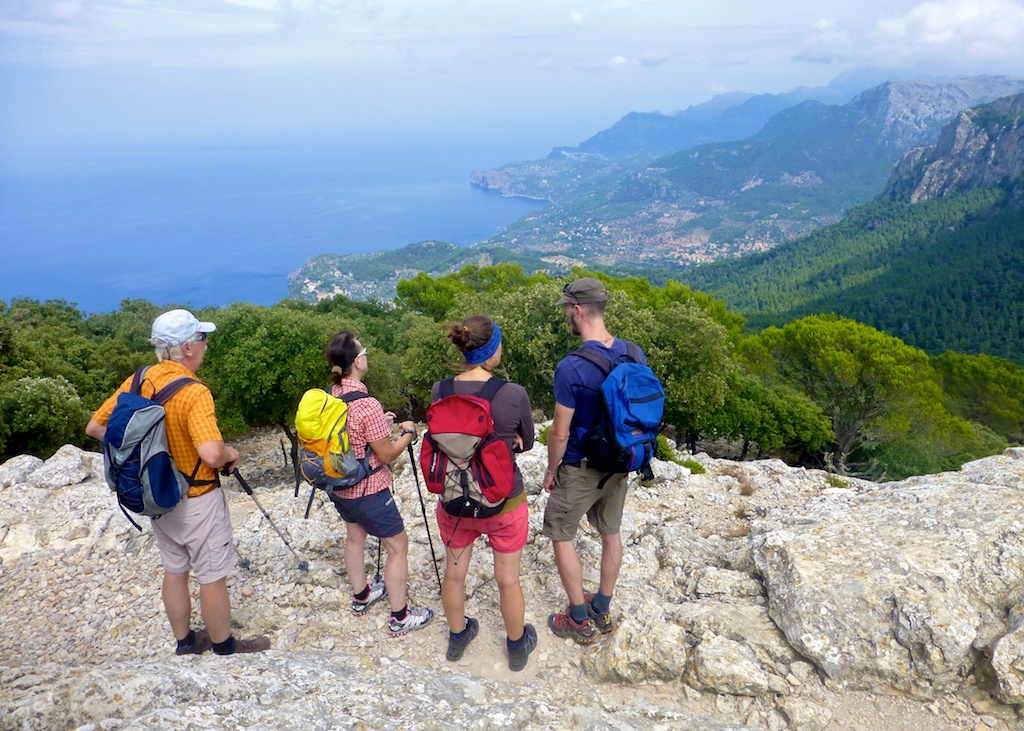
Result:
[{"x": 479, "y": 340}]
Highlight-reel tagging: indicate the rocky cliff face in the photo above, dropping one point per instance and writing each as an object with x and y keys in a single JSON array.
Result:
[
  {"x": 980, "y": 148},
  {"x": 752, "y": 596}
]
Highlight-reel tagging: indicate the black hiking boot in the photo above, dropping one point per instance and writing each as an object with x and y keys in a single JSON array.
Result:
[
  {"x": 457, "y": 645},
  {"x": 517, "y": 656}
]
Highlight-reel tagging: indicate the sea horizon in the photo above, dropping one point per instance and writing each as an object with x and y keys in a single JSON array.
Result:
[{"x": 210, "y": 225}]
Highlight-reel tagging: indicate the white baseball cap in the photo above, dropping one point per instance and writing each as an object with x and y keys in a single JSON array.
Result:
[{"x": 176, "y": 327}]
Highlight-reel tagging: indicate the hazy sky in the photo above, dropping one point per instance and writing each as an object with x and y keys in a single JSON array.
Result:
[{"x": 548, "y": 72}]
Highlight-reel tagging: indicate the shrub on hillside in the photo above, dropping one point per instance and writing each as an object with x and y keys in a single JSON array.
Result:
[{"x": 41, "y": 415}]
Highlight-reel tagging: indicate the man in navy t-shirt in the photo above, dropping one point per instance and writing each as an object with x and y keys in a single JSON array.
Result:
[{"x": 575, "y": 488}]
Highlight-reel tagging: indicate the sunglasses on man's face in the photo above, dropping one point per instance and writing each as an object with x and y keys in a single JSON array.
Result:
[{"x": 199, "y": 336}]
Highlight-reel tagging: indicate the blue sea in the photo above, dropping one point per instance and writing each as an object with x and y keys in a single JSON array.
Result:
[{"x": 200, "y": 226}]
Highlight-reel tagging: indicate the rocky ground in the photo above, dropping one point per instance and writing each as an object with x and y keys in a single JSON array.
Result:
[{"x": 86, "y": 644}]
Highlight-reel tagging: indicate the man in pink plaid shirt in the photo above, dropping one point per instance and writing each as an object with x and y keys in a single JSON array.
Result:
[{"x": 368, "y": 508}]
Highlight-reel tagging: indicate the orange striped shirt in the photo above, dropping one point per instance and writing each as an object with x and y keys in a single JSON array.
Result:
[{"x": 190, "y": 421}]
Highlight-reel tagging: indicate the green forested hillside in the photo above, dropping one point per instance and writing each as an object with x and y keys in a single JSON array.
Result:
[
  {"x": 822, "y": 391},
  {"x": 946, "y": 274}
]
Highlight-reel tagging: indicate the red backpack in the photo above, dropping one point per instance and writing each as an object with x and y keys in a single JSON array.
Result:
[{"x": 462, "y": 459}]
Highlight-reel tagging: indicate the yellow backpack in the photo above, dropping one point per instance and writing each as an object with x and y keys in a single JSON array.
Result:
[{"x": 327, "y": 458}]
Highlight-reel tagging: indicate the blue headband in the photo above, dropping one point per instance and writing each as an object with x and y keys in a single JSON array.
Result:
[{"x": 485, "y": 351}]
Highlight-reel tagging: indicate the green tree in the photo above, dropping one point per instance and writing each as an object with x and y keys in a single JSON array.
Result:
[
  {"x": 9, "y": 357},
  {"x": 985, "y": 390},
  {"x": 646, "y": 295},
  {"x": 40, "y": 415},
  {"x": 429, "y": 296},
  {"x": 933, "y": 446},
  {"x": 502, "y": 277},
  {"x": 50, "y": 339},
  {"x": 872, "y": 386},
  {"x": 425, "y": 356},
  {"x": 687, "y": 350},
  {"x": 130, "y": 326},
  {"x": 376, "y": 320},
  {"x": 25, "y": 313},
  {"x": 776, "y": 419},
  {"x": 261, "y": 360}
]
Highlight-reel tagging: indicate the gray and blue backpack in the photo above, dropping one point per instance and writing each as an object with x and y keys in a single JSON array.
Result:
[{"x": 136, "y": 461}]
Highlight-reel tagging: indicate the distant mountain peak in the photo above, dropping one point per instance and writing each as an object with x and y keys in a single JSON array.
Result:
[{"x": 909, "y": 112}]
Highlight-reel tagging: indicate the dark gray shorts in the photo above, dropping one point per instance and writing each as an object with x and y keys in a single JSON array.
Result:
[
  {"x": 376, "y": 514},
  {"x": 576, "y": 494}
]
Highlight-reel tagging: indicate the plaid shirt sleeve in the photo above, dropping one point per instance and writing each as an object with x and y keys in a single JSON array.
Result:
[
  {"x": 370, "y": 421},
  {"x": 367, "y": 423}
]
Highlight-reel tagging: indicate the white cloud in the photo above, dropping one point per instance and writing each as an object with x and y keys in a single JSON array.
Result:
[
  {"x": 971, "y": 29},
  {"x": 937, "y": 36},
  {"x": 406, "y": 58}
]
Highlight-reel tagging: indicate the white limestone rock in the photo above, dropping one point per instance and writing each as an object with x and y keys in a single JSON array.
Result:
[
  {"x": 68, "y": 466},
  {"x": 15, "y": 470},
  {"x": 897, "y": 587}
]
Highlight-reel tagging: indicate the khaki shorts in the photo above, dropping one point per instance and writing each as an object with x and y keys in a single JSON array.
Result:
[
  {"x": 576, "y": 494},
  {"x": 197, "y": 535}
]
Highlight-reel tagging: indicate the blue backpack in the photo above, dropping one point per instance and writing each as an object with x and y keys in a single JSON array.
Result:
[
  {"x": 136, "y": 461},
  {"x": 631, "y": 403}
]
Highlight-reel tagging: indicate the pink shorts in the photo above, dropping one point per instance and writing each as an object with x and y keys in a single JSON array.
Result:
[{"x": 507, "y": 532}]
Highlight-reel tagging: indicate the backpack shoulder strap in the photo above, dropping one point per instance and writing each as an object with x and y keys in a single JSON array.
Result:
[
  {"x": 165, "y": 393},
  {"x": 446, "y": 387},
  {"x": 589, "y": 354},
  {"x": 136, "y": 386},
  {"x": 348, "y": 398},
  {"x": 633, "y": 351},
  {"x": 491, "y": 388}
]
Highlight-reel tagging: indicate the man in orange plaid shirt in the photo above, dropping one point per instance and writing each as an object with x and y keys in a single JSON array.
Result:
[{"x": 197, "y": 534}]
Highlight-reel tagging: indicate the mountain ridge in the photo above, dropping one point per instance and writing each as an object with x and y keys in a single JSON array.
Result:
[
  {"x": 808, "y": 165},
  {"x": 935, "y": 260},
  {"x": 658, "y": 218}
]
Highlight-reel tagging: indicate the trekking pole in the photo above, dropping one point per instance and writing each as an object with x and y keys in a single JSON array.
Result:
[
  {"x": 376, "y": 576},
  {"x": 303, "y": 564},
  {"x": 309, "y": 503},
  {"x": 423, "y": 507}
]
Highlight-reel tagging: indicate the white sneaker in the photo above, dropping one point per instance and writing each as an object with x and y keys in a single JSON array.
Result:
[
  {"x": 414, "y": 619},
  {"x": 377, "y": 592}
]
